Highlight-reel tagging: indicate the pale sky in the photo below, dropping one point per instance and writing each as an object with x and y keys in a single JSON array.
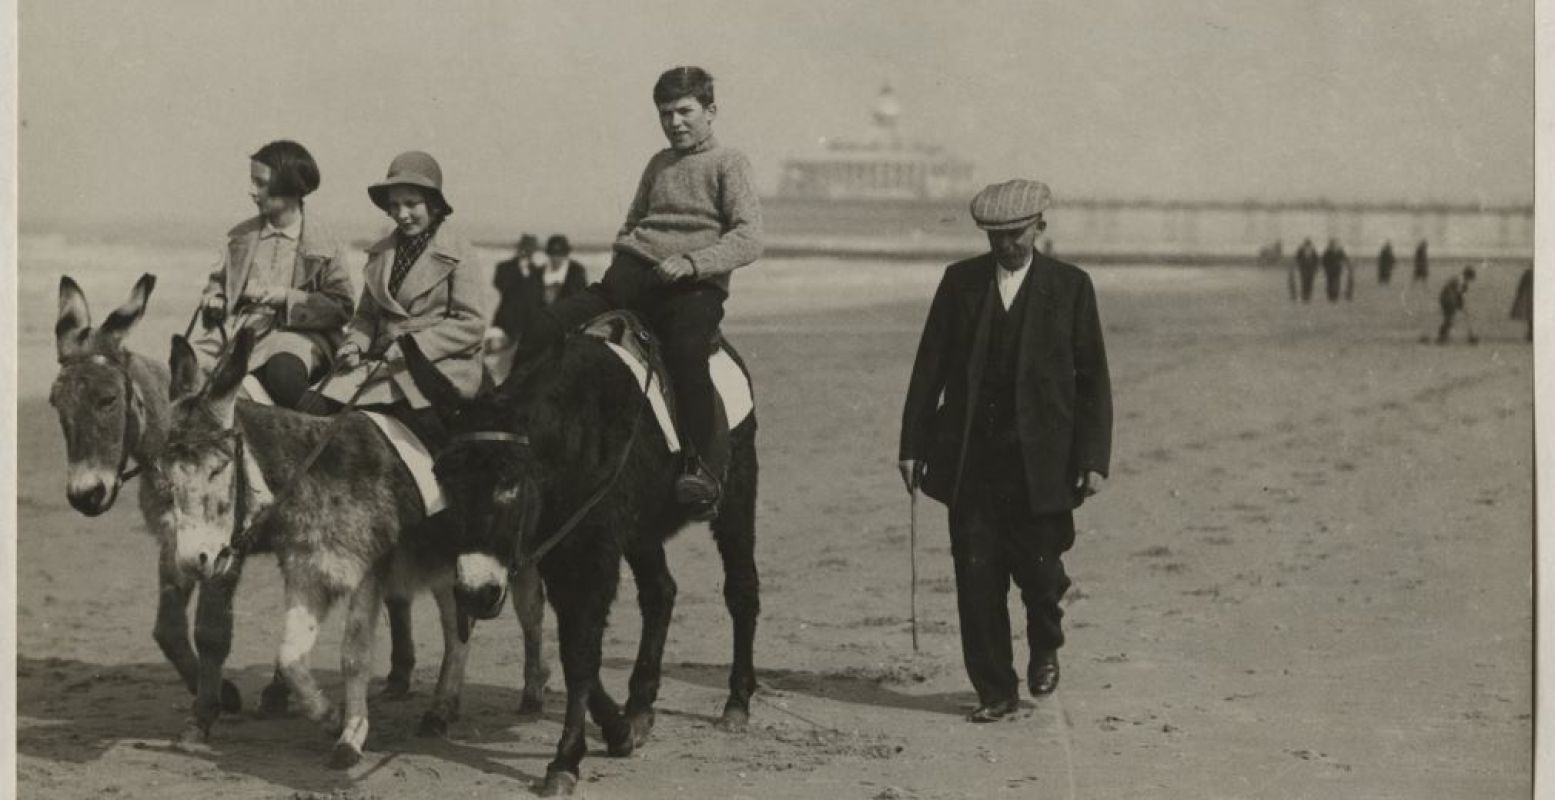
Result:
[{"x": 541, "y": 114}]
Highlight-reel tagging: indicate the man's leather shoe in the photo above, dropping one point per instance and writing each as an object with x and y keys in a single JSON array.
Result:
[
  {"x": 995, "y": 711},
  {"x": 1042, "y": 675}
]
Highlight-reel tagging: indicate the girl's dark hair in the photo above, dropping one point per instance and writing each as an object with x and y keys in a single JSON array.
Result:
[
  {"x": 684, "y": 82},
  {"x": 293, "y": 172}
]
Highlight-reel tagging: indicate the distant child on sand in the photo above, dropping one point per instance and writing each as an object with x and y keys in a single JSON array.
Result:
[
  {"x": 1522, "y": 302},
  {"x": 1453, "y": 303}
]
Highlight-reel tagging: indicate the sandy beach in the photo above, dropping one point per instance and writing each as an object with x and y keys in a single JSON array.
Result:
[{"x": 1310, "y": 574}]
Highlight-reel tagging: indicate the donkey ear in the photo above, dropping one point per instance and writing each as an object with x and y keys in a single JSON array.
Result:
[
  {"x": 75, "y": 319},
  {"x": 113, "y": 330},
  {"x": 230, "y": 374},
  {"x": 185, "y": 368},
  {"x": 432, "y": 383}
]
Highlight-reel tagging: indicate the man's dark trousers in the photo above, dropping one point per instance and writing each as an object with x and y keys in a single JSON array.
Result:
[
  {"x": 995, "y": 537},
  {"x": 684, "y": 315}
]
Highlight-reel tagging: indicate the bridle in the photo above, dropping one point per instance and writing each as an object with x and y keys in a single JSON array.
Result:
[
  {"x": 132, "y": 406},
  {"x": 520, "y": 560},
  {"x": 239, "y": 491}
]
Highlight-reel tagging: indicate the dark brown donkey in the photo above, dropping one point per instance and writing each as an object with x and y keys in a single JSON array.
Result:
[
  {"x": 351, "y": 526},
  {"x": 567, "y": 447}
]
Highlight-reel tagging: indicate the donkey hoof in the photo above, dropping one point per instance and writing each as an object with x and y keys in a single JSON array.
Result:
[
  {"x": 558, "y": 783},
  {"x": 642, "y": 725},
  {"x": 395, "y": 688},
  {"x": 433, "y": 725},
  {"x": 273, "y": 701},
  {"x": 532, "y": 702},
  {"x": 231, "y": 698},
  {"x": 618, "y": 740},
  {"x": 344, "y": 756},
  {"x": 194, "y": 738},
  {"x": 734, "y": 720}
]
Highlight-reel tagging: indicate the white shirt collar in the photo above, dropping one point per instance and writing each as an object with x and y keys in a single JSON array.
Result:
[
  {"x": 1010, "y": 281},
  {"x": 292, "y": 231}
]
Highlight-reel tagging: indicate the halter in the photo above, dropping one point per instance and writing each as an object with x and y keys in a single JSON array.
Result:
[
  {"x": 132, "y": 404},
  {"x": 240, "y": 489}
]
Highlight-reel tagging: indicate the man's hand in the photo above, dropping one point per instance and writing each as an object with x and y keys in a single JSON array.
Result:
[
  {"x": 912, "y": 473},
  {"x": 675, "y": 268},
  {"x": 349, "y": 355},
  {"x": 1090, "y": 483}
]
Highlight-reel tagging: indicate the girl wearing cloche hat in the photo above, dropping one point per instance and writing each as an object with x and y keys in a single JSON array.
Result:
[{"x": 421, "y": 280}]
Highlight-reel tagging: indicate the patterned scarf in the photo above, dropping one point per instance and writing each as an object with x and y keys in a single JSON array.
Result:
[{"x": 406, "y": 250}]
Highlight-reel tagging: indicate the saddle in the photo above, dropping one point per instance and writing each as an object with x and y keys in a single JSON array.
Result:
[{"x": 634, "y": 344}]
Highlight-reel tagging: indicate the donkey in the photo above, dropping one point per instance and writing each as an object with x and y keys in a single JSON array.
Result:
[
  {"x": 113, "y": 407},
  {"x": 566, "y": 445},
  {"x": 351, "y": 525}
]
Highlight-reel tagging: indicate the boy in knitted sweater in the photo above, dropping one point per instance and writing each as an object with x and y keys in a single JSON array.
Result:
[{"x": 694, "y": 220}]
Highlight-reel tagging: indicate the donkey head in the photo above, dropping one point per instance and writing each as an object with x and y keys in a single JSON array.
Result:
[
  {"x": 99, "y": 407},
  {"x": 491, "y": 478},
  {"x": 203, "y": 458}
]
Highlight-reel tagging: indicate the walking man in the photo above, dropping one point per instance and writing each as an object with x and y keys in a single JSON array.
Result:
[{"x": 1008, "y": 421}]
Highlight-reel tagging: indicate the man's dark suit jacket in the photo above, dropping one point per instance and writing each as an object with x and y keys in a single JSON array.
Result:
[
  {"x": 523, "y": 295},
  {"x": 1063, "y": 394}
]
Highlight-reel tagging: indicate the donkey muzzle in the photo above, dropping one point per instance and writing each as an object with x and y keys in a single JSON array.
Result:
[
  {"x": 482, "y": 602},
  {"x": 92, "y": 496}
]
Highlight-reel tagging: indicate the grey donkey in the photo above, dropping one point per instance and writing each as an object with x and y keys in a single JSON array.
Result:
[{"x": 350, "y": 527}]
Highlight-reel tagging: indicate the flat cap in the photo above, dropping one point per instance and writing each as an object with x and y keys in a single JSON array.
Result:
[{"x": 1009, "y": 205}]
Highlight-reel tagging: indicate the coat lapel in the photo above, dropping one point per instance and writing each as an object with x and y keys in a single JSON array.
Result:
[
  {"x": 431, "y": 269},
  {"x": 310, "y": 259},
  {"x": 240, "y": 254},
  {"x": 1039, "y": 313},
  {"x": 380, "y": 257},
  {"x": 984, "y": 293}
]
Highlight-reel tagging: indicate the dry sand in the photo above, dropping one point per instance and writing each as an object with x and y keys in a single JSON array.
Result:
[{"x": 1309, "y": 576}]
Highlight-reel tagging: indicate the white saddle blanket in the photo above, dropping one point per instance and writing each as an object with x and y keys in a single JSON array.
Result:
[
  {"x": 416, "y": 457},
  {"x": 255, "y": 391},
  {"x": 733, "y": 388}
]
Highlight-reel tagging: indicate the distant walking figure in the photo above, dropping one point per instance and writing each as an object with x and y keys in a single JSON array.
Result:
[
  {"x": 1306, "y": 265},
  {"x": 1422, "y": 264},
  {"x": 1335, "y": 264},
  {"x": 1522, "y": 303},
  {"x": 1453, "y": 300},
  {"x": 1385, "y": 262}
]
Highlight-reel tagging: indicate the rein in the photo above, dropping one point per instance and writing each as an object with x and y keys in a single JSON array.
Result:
[
  {"x": 521, "y": 560},
  {"x": 245, "y": 537}
]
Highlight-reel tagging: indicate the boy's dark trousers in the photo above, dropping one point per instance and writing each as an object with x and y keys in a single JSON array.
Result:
[
  {"x": 684, "y": 315},
  {"x": 994, "y": 537}
]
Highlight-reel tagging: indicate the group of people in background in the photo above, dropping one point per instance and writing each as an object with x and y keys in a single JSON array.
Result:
[{"x": 1339, "y": 280}]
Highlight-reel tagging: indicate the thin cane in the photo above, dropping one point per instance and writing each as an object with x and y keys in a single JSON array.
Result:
[{"x": 912, "y": 546}]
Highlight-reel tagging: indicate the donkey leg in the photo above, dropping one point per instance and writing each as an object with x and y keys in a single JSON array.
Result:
[
  {"x": 402, "y": 649},
  {"x": 735, "y": 532},
  {"x": 529, "y": 603},
  {"x": 581, "y": 606},
  {"x": 450, "y": 678},
  {"x": 171, "y": 631},
  {"x": 305, "y": 608},
  {"x": 213, "y": 642},
  {"x": 356, "y": 659},
  {"x": 656, "y": 600}
]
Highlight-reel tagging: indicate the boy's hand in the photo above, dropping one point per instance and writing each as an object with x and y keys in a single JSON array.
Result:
[{"x": 675, "y": 268}]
